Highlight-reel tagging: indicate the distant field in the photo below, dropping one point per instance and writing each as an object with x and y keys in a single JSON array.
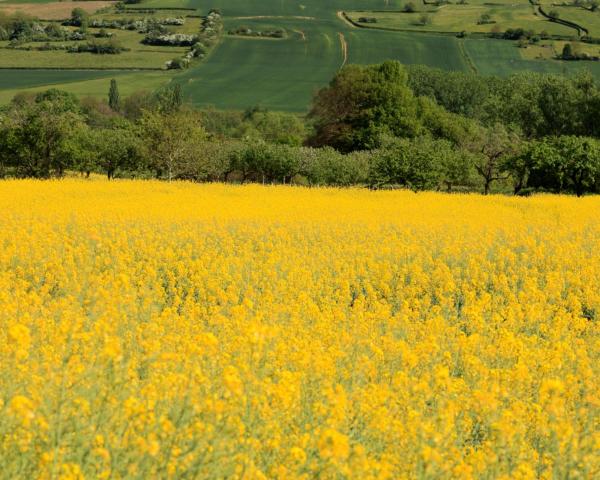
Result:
[
  {"x": 280, "y": 75},
  {"x": 82, "y": 83},
  {"x": 284, "y": 74},
  {"x": 458, "y": 18},
  {"x": 499, "y": 57},
  {"x": 36, "y": 78},
  {"x": 52, "y": 10},
  {"x": 581, "y": 16},
  {"x": 139, "y": 56},
  {"x": 317, "y": 8}
]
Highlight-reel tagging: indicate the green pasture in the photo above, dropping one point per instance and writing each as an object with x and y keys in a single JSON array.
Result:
[
  {"x": 81, "y": 83},
  {"x": 499, "y": 57},
  {"x": 23, "y": 79},
  {"x": 316, "y": 8},
  {"x": 578, "y": 15},
  {"x": 243, "y": 72},
  {"x": 138, "y": 56},
  {"x": 372, "y": 46},
  {"x": 458, "y": 18}
]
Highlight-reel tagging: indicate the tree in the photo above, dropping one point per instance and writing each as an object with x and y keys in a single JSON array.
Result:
[
  {"x": 169, "y": 99},
  {"x": 409, "y": 8},
  {"x": 424, "y": 19},
  {"x": 420, "y": 164},
  {"x": 361, "y": 104},
  {"x": 490, "y": 148},
  {"x": 484, "y": 19},
  {"x": 118, "y": 148},
  {"x": 171, "y": 142},
  {"x": 567, "y": 52},
  {"x": 37, "y": 137},
  {"x": 113, "y": 96},
  {"x": 79, "y": 17},
  {"x": 580, "y": 162}
]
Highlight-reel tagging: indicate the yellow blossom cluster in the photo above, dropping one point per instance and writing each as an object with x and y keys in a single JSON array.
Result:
[{"x": 153, "y": 330}]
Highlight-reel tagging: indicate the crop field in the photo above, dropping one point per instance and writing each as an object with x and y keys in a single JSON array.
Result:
[
  {"x": 156, "y": 330},
  {"x": 499, "y": 57},
  {"x": 84, "y": 83},
  {"x": 283, "y": 74},
  {"x": 52, "y": 10}
]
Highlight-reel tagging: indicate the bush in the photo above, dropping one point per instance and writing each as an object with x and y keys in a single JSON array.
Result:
[
  {"x": 409, "y": 8},
  {"x": 111, "y": 47}
]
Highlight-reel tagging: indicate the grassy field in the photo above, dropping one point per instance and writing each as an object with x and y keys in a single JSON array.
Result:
[
  {"x": 52, "y": 10},
  {"x": 581, "y": 16},
  {"x": 500, "y": 57},
  {"x": 81, "y": 83},
  {"x": 152, "y": 330},
  {"x": 458, "y": 18},
  {"x": 138, "y": 56}
]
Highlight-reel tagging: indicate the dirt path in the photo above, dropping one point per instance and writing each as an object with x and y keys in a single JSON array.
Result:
[{"x": 344, "y": 44}]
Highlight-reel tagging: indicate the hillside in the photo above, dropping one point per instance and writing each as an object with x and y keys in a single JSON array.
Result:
[{"x": 245, "y": 65}]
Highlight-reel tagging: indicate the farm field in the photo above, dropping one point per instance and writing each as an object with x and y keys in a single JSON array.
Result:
[
  {"x": 175, "y": 330},
  {"x": 500, "y": 57},
  {"x": 459, "y": 18},
  {"x": 284, "y": 74},
  {"x": 82, "y": 83}
]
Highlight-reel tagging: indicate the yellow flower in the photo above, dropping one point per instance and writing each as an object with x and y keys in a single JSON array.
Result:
[
  {"x": 333, "y": 444},
  {"x": 232, "y": 381},
  {"x": 22, "y": 408},
  {"x": 298, "y": 455}
]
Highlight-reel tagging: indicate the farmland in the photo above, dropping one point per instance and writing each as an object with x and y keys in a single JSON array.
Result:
[
  {"x": 177, "y": 330},
  {"x": 284, "y": 73}
]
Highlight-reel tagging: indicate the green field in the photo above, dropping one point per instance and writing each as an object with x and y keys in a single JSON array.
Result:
[
  {"x": 82, "y": 83},
  {"x": 459, "y": 18},
  {"x": 284, "y": 74},
  {"x": 501, "y": 58}
]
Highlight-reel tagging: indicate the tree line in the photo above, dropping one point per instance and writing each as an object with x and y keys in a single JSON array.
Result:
[{"x": 381, "y": 126}]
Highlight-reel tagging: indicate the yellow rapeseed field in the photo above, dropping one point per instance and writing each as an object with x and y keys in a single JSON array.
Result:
[{"x": 152, "y": 330}]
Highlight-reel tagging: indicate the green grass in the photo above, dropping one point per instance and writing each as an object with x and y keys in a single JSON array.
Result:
[
  {"x": 581, "y": 16},
  {"x": 499, "y": 57},
  {"x": 458, "y": 18},
  {"x": 83, "y": 83},
  {"x": 366, "y": 46},
  {"x": 22, "y": 79}
]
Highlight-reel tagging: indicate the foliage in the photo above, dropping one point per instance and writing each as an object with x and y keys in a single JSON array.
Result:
[
  {"x": 113, "y": 96},
  {"x": 363, "y": 103}
]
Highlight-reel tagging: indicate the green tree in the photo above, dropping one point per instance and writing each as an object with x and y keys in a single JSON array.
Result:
[
  {"x": 491, "y": 147},
  {"x": 79, "y": 17},
  {"x": 114, "y": 100},
  {"x": 37, "y": 137},
  {"x": 361, "y": 104},
  {"x": 567, "y": 52},
  {"x": 172, "y": 142},
  {"x": 422, "y": 163}
]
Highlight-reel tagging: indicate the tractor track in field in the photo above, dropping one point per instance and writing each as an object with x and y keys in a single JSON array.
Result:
[
  {"x": 301, "y": 33},
  {"x": 344, "y": 45}
]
